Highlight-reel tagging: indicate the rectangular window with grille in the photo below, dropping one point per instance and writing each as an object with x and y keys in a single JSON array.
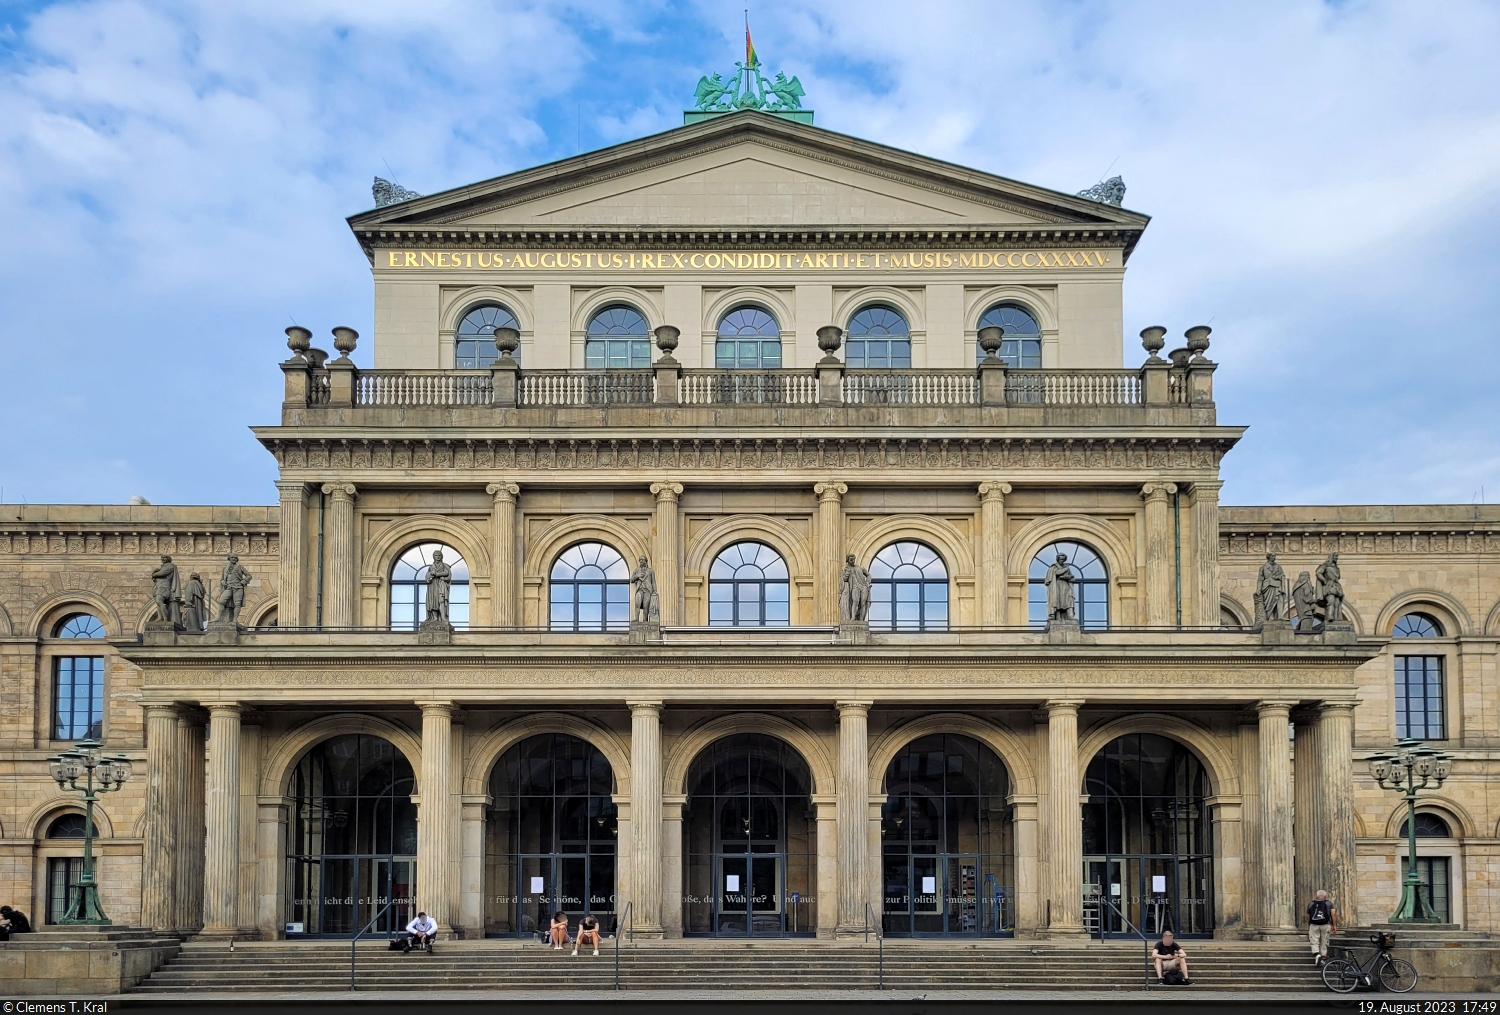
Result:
[
  {"x": 1419, "y": 698},
  {"x": 78, "y": 697},
  {"x": 62, "y": 873}
]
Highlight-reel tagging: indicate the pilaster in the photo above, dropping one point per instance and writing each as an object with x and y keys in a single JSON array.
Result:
[
  {"x": 293, "y": 533},
  {"x": 221, "y": 869},
  {"x": 1276, "y": 815},
  {"x": 1206, "y": 552},
  {"x": 1028, "y": 909},
  {"x": 646, "y": 815},
  {"x": 853, "y": 792},
  {"x": 504, "y": 593},
  {"x": 830, "y": 550},
  {"x": 342, "y": 566},
  {"x": 1161, "y": 607},
  {"x": 992, "y": 586},
  {"x": 666, "y": 550},
  {"x": 671, "y": 865}
]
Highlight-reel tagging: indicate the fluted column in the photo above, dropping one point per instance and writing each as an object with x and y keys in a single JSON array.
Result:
[
  {"x": 1064, "y": 819},
  {"x": 221, "y": 867},
  {"x": 342, "y": 569},
  {"x": 1336, "y": 769},
  {"x": 190, "y": 815},
  {"x": 646, "y": 815},
  {"x": 1276, "y": 815},
  {"x": 293, "y": 536},
  {"x": 435, "y": 818},
  {"x": 664, "y": 551},
  {"x": 1307, "y": 811},
  {"x": 853, "y": 792},
  {"x": 992, "y": 587},
  {"x": 830, "y": 550},
  {"x": 503, "y": 591},
  {"x": 159, "y": 854},
  {"x": 1206, "y": 552},
  {"x": 1161, "y": 591}
]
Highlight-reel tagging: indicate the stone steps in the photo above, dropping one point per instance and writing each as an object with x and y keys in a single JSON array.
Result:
[{"x": 732, "y": 966}]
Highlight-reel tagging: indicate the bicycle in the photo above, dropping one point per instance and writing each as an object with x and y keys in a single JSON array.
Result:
[{"x": 1398, "y": 975}]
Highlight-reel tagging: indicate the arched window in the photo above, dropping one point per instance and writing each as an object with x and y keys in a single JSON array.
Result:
[
  {"x": 79, "y": 625},
  {"x": 1090, "y": 584},
  {"x": 1429, "y": 826},
  {"x": 1228, "y": 619},
  {"x": 749, "y": 339},
  {"x": 1021, "y": 346},
  {"x": 908, "y": 589},
  {"x": 748, "y": 587},
  {"x": 878, "y": 337},
  {"x": 617, "y": 339},
  {"x": 70, "y": 826},
  {"x": 590, "y": 589},
  {"x": 1417, "y": 625},
  {"x": 409, "y": 587},
  {"x": 474, "y": 344}
]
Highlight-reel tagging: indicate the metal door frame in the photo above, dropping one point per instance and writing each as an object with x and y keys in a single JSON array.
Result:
[{"x": 779, "y": 860}]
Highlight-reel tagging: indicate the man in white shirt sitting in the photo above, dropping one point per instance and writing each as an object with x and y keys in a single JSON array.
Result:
[{"x": 421, "y": 931}]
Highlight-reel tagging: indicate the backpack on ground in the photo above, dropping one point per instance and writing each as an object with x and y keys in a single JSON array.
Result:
[{"x": 1173, "y": 977}]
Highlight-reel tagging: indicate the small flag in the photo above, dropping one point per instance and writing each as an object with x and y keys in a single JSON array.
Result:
[{"x": 750, "y": 60}]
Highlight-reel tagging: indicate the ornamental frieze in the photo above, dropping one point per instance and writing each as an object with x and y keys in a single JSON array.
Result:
[{"x": 778, "y": 453}]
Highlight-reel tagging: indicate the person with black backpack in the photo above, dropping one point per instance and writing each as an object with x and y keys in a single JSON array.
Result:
[
  {"x": 1171, "y": 962},
  {"x": 1322, "y": 924}
]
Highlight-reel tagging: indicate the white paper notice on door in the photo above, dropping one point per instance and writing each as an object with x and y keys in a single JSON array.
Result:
[
  {"x": 731, "y": 882},
  {"x": 1158, "y": 883},
  {"x": 929, "y": 886},
  {"x": 538, "y": 886}
]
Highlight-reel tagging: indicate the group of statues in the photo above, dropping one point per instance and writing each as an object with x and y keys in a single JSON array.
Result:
[
  {"x": 1318, "y": 598},
  {"x": 185, "y": 607}
]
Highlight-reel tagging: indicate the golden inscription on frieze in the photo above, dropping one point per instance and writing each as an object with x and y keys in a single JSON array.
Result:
[{"x": 732, "y": 260}]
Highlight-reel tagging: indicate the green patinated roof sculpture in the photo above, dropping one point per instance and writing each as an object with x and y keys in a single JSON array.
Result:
[{"x": 748, "y": 88}]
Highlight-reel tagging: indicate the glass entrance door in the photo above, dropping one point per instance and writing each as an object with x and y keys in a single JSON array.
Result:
[
  {"x": 576, "y": 885},
  {"x": 942, "y": 894},
  {"x": 750, "y": 894}
]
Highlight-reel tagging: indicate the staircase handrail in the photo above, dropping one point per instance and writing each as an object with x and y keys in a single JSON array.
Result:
[
  {"x": 1146, "y": 956},
  {"x": 355, "y": 939},
  {"x": 871, "y": 922},
  {"x": 628, "y": 917}
]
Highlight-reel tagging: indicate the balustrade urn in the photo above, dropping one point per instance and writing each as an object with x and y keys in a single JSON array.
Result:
[
  {"x": 1153, "y": 340},
  {"x": 830, "y": 338},
  {"x": 299, "y": 340},
  {"x": 990, "y": 339},
  {"x": 344, "y": 340}
]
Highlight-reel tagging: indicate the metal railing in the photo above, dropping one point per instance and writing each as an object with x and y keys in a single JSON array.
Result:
[
  {"x": 910, "y": 387},
  {"x": 355, "y": 939},
  {"x": 1073, "y": 387},
  {"x": 620, "y": 923},
  {"x": 748, "y": 387},
  {"x": 871, "y": 923},
  {"x": 1145, "y": 941},
  {"x": 423, "y": 387},
  {"x": 586, "y": 387}
]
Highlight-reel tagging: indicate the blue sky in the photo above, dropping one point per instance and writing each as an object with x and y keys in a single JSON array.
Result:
[{"x": 1324, "y": 180}]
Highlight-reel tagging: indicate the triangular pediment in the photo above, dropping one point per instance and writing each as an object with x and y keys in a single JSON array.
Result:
[{"x": 746, "y": 170}]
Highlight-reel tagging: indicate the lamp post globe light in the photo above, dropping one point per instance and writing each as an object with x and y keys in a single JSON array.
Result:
[
  {"x": 86, "y": 770},
  {"x": 1413, "y": 766}
]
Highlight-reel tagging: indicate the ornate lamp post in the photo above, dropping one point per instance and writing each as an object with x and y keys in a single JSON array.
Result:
[
  {"x": 1411, "y": 767},
  {"x": 98, "y": 774}
]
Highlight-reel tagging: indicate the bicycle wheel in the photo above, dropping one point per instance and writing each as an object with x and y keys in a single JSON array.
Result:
[
  {"x": 1398, "y": 975},
  {"x": 1341, "y": 975}
]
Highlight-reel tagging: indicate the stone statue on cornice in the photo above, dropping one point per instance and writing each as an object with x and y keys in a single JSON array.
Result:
[
  {"x": 166, "y": 588},
  {"x": 854, "y": 592},
  {"x": 439, "y": 590},
  {"x": 1059, "y": 581},
  {"x": 1270, "y": 591},
  {"x": 1330, "y": 590},
  {"x": 646, "y": 605}
]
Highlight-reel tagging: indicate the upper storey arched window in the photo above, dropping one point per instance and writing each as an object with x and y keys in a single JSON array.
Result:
[
  {"x": 878, "y": 337},
  {"x": 1090, "y": 584},
  {"x": 590, "y": 589},
  {"x": 474, "y": 344},
  {"x": 908, "y": 589},
  {"x": 617, "y": 339},
  {"x": 748, "y": 586},
  {"x": 749, "y": 339},
  {"x": 79, "y": 625},
  {"x": 409, "y": 579},
  {"x": 1021, "y": 347},
  {"x": 1417, "y": 625}
]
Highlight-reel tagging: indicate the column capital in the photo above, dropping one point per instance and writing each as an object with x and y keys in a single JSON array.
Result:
[
  {"x": 645, "y": 708},
  {"x": 994, "y": 489},
  {"x": 1337, "y": 707},
  {"x": 446, "y": 708},
  {"x": 340, "y": 491},
  {"x": 161, "y": 710},
  {"x": 1063, "y": 706},
  {"x": 853, "y": 708},
  {"x": 1274, "y": 706},
  {"x": 666, "y": 491},
  {"x": 226, "y": 709},
  {"x": 291, "y": 489},
  {"x": 503, "y": 492},
  {"x": 1158, "y": 491},
  {"x": 830, "y": 491}
]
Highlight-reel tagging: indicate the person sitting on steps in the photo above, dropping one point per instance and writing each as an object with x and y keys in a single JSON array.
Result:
[
  {"x": 559, "y": 930},
  {"x": 421, "y": 930},
  {"x": 589, "y": 929},
  {"x": 1169, "y": 955}
]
